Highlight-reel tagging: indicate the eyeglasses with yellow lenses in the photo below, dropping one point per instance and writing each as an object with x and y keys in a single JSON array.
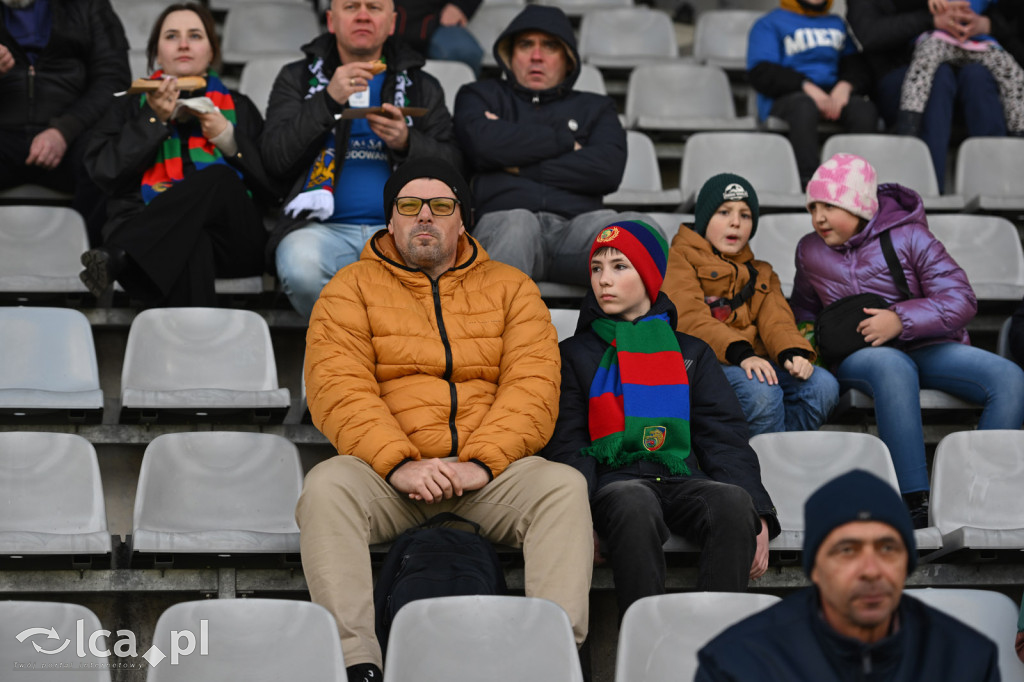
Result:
[{"x": 438, "y": 205}]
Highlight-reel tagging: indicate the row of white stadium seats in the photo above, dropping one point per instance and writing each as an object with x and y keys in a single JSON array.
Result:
[
  {"x": 271, "y": 639},
  {"x": 234, "y": 493}
]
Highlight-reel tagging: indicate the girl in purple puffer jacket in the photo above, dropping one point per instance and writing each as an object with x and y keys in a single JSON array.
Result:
[{"x": 917, "y": 343}]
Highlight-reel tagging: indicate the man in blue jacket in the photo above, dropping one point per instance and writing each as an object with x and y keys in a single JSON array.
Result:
[
  {"x": 854, "y": 623},
  {"x": 544, "y": 154}
]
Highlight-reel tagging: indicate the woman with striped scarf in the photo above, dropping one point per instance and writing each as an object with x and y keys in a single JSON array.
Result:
[{"x": 182, "y": 169}]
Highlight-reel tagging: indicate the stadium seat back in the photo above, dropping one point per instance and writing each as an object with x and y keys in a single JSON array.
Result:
[
  {"x": 52, "y": 495},
  {"x": 218, "y": 492},
  {"x": 660, "y": 636},
  {"x": 501, "y": 639}
]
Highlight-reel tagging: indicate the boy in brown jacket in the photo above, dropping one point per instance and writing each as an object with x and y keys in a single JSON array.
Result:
[{"x": 736, "y": 305}]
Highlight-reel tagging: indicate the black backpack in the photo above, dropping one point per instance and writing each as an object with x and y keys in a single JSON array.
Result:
[{"x": 427, "y": 561}]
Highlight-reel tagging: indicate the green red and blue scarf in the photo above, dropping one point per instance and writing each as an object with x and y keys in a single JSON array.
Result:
[
  {"x": 639, "y": 404},
  {"x": 168, "y": 168}
]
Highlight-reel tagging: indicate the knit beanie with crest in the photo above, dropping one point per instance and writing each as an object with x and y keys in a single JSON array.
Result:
[
  {"x": 716, "y": 191},
  {"x": 643, "y": 245}
]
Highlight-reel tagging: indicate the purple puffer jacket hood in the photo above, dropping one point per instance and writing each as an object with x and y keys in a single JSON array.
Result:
[{"x": 943, "y": 301}]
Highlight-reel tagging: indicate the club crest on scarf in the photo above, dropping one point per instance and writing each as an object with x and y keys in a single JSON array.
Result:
[{"x": 654, "y": 437}]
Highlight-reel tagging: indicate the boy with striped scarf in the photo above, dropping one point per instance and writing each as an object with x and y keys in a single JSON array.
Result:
[{"x": 649, "y": 419}]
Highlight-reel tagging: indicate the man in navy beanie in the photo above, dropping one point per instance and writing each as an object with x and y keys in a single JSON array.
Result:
[{"x": 854, "y": 622}]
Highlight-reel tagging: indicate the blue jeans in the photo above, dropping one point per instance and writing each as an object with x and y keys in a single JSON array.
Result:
[
  {"x": 790, "y": 405},
  {"x": 894, "y": 379},
  {"x": 308, "y": 258},
  {"x": 455, "y": 43},
  {"x": 971, "y": 88}
]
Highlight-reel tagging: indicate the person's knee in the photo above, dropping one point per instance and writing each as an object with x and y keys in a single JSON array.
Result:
[
  {"x": 517, "y": 223},
  {"x": 762, "y": 401},
  {"x": 332, "y": 480},
  {"x": 732, "y": 514},
  {"x": 803, "y": 110},
  {"x": 944, "y": 83},
  {"x": 631, "y": 498},
  {"x": 299, "y": 259}
]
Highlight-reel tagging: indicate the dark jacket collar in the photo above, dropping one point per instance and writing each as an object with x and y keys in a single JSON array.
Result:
[{"x": 591, "y": 310}]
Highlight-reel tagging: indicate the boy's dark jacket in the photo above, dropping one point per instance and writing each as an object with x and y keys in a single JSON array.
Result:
[{"x": 718, "y": 429}]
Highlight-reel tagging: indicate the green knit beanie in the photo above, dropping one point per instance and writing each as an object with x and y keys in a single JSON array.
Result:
[{"x": 718, "y": 190}]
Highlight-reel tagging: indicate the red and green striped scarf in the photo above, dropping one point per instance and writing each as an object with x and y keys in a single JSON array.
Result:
[
  {"x": 639, "y": 406},
  {"x": 167, "y": 169}
]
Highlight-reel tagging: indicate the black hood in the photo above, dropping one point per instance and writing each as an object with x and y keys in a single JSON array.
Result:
[
  {"x": 550, "y": 20},
  {"x": 590, "y": 310}
]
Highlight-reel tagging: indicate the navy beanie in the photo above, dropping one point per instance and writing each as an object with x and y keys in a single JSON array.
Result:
[
  {"x": 718, "y": 190},
  {"x": 438, "y": 169},
  {"x": 855, "y": 496}
]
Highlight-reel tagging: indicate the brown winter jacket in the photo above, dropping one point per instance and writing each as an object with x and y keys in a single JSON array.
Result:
[
  {"x": 387, "y": 380},
  {"x": 765, "y": 322}
]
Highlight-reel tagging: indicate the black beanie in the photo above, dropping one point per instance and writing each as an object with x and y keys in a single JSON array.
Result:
[
  {"x": 718, "y": 190},
  {"x": 438, "y": 169},
  {"x": 855, "y": 496}
]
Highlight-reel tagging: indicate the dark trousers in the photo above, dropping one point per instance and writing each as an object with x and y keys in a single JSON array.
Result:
[
  {"x": 801, "y": 113},
  {"x": 69, "y": 176},
  {"x": 635, "y": 518},
  {"x": 201, "y": 228},
  {"x": 969, "y": 90}
]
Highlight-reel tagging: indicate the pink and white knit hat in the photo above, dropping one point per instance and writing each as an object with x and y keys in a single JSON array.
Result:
[{"x": 846, "y": 181}]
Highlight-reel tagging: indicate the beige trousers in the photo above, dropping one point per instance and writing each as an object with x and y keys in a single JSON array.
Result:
[{"x": 534, "y": 504}]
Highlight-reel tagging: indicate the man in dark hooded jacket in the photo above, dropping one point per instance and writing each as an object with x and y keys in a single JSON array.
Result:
[{"x": 544, "y": 154}]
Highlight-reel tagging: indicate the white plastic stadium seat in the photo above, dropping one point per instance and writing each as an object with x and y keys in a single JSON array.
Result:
[
  {"x": 48, "y": 369},
  {"x": 988, "y": 173},
  {"x": 576, "y": 8},
  {"x": 669, "y": 223},
  {"x": 501, "y": 639},
  {"x": 795, "y": 464},
  {"x": 40, "y": 247},
  {"x": 452, "y": 75},
  {"x": 487, "y": 23},
  {"x": 775, "y": 242},
  {"x": 257, "y": 78},
  {"x": 200, "y": 364},
  {"x": 641, "y": 181},
  {"x": 565, "y": 320},
  {"x": 682, "y": 97},
  {"x": 590, "y": 80},
  {"x": 248, "y": 639},
  {"x": 217, "y": 492},
  {"x": 991, "y": 613},
  {"x": 17, "y": 617},
  {"x": 766, "y": 160},
  {"x": 988, "y": 248},
  {"x": 976, "y": 503},
  {"x": 720, "y": 37},
  {"x": 627, "y": 37},
  {"x": 660, "y": 636},
  {"x": 897, "y": 158},
  {"x": 263, "y": 29},
  {"x": 138, "y": 19},
  {"x": 51, "y": 495}
]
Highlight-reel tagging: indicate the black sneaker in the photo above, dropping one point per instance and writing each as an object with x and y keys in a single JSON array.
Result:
[
  {"x": 102, "y": 266},
  {"x": 364, "y": 672}
]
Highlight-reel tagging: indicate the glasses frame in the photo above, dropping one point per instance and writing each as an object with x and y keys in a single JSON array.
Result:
[{"x": 428, "y": 203}]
